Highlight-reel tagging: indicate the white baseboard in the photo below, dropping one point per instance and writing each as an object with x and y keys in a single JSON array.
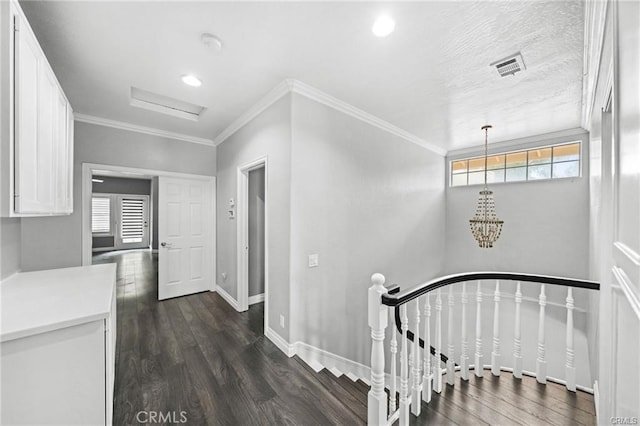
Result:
[
  {"x": 256, "y": 299},
  {"x": 226, "y": 296},
  {"x": 332, "y": 362},
  {"x": 102, "y": 249},
  {"x": 288, "y": 348},
  {"x": 596, "y": 399}
]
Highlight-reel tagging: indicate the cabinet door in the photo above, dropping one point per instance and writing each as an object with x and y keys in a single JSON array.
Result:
[
  {"x": 69, "y": 169},
  {"x": 61, "y": 151},
  {"x": 47, "y": 102},
  {"x": 26, "y": 58}
]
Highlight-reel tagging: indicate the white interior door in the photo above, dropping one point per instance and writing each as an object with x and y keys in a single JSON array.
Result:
[{"x": 185, "y": 230}]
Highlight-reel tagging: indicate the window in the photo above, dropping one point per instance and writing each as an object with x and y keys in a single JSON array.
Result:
[
  {"x": 132, "y": 220},
  {"x": 548, "y": 162},
  {"x": 101, "y": 215}
]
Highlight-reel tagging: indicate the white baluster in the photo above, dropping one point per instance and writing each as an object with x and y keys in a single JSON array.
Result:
[
  {"x": 416, "y": 388},
  {"x": 517, "y": 344},
  {"x": 451, "y": 365},
  {"x": 541, "y": 364},
  {"x": 570, "y": 368},
  {"x": 478, "y": 356},
  {"x": 394, "y": 357},
  {"x": 437, "y": 371},
  {"x": 377, "y": 398},
  {"x": 426, "y": 371},
  {"x": 495, "y": 353},
  {"x": 464, "y": 358},
  {"x": 404, "y": 368}
]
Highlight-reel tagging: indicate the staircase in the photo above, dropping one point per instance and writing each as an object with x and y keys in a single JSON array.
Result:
[
  {"x": 487, "y": 400},
  {"x": 447, "y": 364}
]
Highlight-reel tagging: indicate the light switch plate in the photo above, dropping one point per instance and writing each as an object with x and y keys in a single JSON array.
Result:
[{"x": 313, "y": 260}]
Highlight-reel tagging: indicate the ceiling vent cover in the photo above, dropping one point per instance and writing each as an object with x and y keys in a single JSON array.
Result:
[
  {"x": 509, "y": 65},
  {"x": 165, "y": 105}
]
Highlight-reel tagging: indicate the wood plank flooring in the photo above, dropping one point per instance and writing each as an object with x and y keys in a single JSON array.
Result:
[{"x": 197, "y": 357}]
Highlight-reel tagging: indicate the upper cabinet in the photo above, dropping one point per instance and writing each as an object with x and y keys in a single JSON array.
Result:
[{"x": 37, "y": 125}]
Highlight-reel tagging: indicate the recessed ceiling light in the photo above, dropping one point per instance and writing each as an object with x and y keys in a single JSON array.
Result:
[
  {"x": 191, "y": 80},
  {"x": 383, "y": 26}
]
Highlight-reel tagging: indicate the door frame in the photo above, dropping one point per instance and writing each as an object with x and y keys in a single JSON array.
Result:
[
  {"x": 242, "y": 235},
  {"x": 87, "y": 172}
]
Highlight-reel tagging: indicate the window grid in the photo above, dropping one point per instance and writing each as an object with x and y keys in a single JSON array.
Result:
[{"x": 567, "y": 156}]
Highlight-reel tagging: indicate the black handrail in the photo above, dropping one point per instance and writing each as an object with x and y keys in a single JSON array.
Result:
[
  {"x": 400, "y": 298},
  {"x": 395, "y": 298}
]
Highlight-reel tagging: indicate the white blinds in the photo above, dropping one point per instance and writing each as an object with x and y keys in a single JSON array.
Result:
[
  {"x": 132, "y": 220},
  {"x": 101, "y": 214}
]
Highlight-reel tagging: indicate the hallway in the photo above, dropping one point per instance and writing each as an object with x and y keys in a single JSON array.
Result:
[
  {"x": 198, "y": 361},
  {"x": 197, "y": 355}
]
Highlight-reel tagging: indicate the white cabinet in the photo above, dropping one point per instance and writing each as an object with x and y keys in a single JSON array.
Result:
[
  {"x": 37, "y": 142},
  {"x": 58, "y": 339}
]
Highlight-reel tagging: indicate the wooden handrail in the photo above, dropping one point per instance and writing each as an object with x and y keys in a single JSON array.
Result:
[{"x": 398, "y": 298}]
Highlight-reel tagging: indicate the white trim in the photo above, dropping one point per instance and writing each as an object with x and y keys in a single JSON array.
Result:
[
  {"x": 303, "y": 89},
  {"x": 87, "y": 169},
  {"x": 265, "y": 102},
  {"x": 242, "y": 234},
  {"x": 288, "y": 349},
  {"x": 348, "y": 109},
  {"x": 630, "y": 254},
  {"x": 627, "y": 288},
  {"x": 594, "y": 25},
  {"x": 226, "y": 296},
  {"x": 258, "y": 298},
  {"x": 596, "y": 399},
  {"x": 332, "y": 362},
  {"x": 99, "y": 121}
]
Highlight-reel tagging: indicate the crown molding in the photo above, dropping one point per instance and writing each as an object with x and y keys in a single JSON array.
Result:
[
  {"x": 303, "y": 89},
  {"x": 265, "y": 102},
  {"x": 84, "y": 118},
  {"x": 348, "y": 109},
  {"x": 594, "y": 26}
]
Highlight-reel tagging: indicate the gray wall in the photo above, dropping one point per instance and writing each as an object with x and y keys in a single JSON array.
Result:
[
  {"x": 546, "y": 228},
  {"x": 256, "y": 232},
  {"x": 10, "y": 251},
  {"x": 269, "y": 135},
  {"x": 365, "y": 201},
  {"x": 119, "y": 185},
  {"x": 56, "y": 242}
]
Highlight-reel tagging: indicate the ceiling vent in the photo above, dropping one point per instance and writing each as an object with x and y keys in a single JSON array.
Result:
[
  {"x": 165, "y": 105},
  {"x": 509, "y": 65}
]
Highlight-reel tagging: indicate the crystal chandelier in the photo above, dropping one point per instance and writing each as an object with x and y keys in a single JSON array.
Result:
[{"x": 485, "y": 225}]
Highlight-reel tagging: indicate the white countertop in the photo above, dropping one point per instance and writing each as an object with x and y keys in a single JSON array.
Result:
[{"x": 41, "y": 301}]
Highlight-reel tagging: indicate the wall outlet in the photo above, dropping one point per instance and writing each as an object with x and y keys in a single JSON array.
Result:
[
  {"x": 282, "y": 321},
  {"x": 224, "y": 277},
  {"x": 313, "y": 260}
]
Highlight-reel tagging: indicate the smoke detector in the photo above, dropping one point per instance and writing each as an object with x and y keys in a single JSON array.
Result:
[
  {"x": 212, "y": 42},
  {"x": 509, "y": 65}
]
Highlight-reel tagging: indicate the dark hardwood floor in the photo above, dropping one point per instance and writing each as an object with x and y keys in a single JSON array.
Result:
[{"x": 195, "y": 360}]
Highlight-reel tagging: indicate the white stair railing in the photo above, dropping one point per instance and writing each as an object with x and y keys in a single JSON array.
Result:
[{"x": 421, "y": 372}]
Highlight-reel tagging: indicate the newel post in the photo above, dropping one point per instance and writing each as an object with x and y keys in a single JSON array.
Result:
[{"x": 378, "y": 319}]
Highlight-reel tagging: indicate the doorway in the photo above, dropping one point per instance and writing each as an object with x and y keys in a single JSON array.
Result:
[
  {"x": 253, "y": 236},
  {"x": 183, "y": 261}
]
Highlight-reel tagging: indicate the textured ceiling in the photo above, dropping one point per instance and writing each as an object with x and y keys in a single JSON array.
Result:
[{"x": 431, "y": 77}]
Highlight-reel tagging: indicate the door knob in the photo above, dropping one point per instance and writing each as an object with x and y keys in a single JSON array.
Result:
[{"x": 164, "y": 244}]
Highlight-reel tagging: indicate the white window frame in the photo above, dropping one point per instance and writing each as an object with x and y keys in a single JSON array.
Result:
[{"x": 570, "y": 141}]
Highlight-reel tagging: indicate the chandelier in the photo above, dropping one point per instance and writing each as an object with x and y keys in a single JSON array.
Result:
[{"x": 485, "y": 225}]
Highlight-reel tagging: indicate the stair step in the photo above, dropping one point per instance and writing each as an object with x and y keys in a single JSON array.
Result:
[
  {"x": 352, "y": 376},
  {"x": 335, "y": 371}
]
